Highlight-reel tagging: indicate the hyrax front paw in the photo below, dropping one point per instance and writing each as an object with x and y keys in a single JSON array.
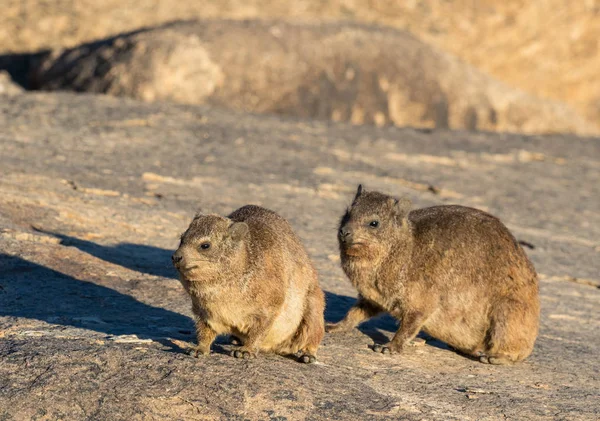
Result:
[
  {"x": 388, "y": 348},
  {"x": 242, "y": 353},
  {"x": 199, "y": 350},
  {"x": 307, "y": 359}
]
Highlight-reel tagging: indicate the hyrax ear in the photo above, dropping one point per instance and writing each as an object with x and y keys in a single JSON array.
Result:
[
  {"x": 238, "y": 231},
  {"x": 401, "y": 209},
  {"x": 359, "y": 191}
]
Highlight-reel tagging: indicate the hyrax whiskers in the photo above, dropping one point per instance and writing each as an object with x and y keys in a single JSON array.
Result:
[
  {"x": 455, "y": 272},
  {"x": 248, "y": 275}
]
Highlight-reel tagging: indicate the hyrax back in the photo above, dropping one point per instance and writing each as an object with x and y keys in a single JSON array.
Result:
[
  {"x": 455, "y": 272},
  {"x": 248, "y": 275}
]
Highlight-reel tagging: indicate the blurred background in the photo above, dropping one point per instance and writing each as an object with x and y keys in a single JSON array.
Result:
[{"x": 513, "y": 65}]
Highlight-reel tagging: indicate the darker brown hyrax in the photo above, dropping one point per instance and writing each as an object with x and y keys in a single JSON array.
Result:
[
  {"x": 249, "y": 276},
  {"x": 454, "y": 272}
]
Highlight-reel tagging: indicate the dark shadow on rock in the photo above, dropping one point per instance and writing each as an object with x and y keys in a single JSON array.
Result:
[
  {"x": 139, "y": 257},
  {"x": 33, "y": 291},
  {"x": 18, "y": 66},
  {"x": 217, "y": 346},
  {"x": 338, "y": 305},
  {"x": 24, "y": 68}
]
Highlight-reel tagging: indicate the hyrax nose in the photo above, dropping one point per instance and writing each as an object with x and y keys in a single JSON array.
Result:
[
  {"x": 344, "y": 232},
  {"x": 176, "y": 258}
]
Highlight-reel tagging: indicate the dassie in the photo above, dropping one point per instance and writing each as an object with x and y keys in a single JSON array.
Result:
[
  {"x": 249, "y": 276},
  {"x": 455, "y": 272}
]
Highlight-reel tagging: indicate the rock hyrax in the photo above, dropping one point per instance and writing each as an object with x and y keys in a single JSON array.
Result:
[
  {"x": 455, "y": 272},
  {"x": 249, "y": 276}
]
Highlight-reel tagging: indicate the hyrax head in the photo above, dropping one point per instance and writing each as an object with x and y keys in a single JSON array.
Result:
[
  {"x": 210, "y": 247},
  {"x": 372, "y": 224}
]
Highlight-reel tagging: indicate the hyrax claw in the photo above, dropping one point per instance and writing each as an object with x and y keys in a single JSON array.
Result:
[
  {"x": 383, "y": 349},
  {"x": 307, "y": 359},
  {"x": 241, "y": 354}
]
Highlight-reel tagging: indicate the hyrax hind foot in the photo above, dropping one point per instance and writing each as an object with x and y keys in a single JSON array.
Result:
[
  {"x": 242, "y": 354},
  {"x": 197, "y": 351},
  {"x": 495, "y": 360},
  {"x": 391, "y": 348}
]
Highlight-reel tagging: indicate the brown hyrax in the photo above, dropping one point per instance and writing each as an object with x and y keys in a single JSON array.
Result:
[
  {"x": 456, "y": 273},
  {"x": 249, "y": 276}
]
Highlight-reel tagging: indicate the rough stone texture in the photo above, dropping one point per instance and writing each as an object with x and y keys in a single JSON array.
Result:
[
  {"x": 95, "y": 190},
  {"x": 548, "y": 48},
  {"x": 170, "y": 66},
  {"x": 342, "y": 72}
]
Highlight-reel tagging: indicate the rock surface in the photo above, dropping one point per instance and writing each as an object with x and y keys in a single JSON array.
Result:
[
  {"x": 7, "y": 86},
  {"x": 94, "y": 192},
  {"x": 338, "y": 71}
]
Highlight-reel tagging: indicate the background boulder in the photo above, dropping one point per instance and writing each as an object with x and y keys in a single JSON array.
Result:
[{"x": 342, "y": 72}]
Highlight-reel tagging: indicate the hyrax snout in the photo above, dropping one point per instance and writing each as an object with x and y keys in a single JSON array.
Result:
[
  {"x": 456, "y": 273},
  {"x": 248, "y": 275}
]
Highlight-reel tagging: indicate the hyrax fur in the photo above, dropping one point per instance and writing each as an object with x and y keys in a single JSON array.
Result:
[
  {"x": 455, "y": 272},
  {"x": 249, "y": 276}
]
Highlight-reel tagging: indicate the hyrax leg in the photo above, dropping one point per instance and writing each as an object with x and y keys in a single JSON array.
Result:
[
  {"x": 254, "y": 337},
  {"x": 312, "y": 328},
  {"x": 411, "y": 324},
  {"x": 362, "y": 310},
  {"x": 205, "y": 336},
  {"x": 512, "y": 332}
]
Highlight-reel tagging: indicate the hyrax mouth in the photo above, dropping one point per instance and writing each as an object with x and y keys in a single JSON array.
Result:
[
  {"x": 187, "y": 268},
  {"x": 354, "y": 249},
  {"x": 350, "y": 244}
]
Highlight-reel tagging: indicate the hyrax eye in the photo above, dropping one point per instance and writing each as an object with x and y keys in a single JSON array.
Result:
[
  {"x": 374, "y": 224},
  {"x": 204, "y": 246}
]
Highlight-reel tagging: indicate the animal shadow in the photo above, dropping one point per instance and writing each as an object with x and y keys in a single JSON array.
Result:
[
  {"x": 151, "y": 260},
  {"x": 338, "y": 305},
  {"x": 29, "y": 290}
]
